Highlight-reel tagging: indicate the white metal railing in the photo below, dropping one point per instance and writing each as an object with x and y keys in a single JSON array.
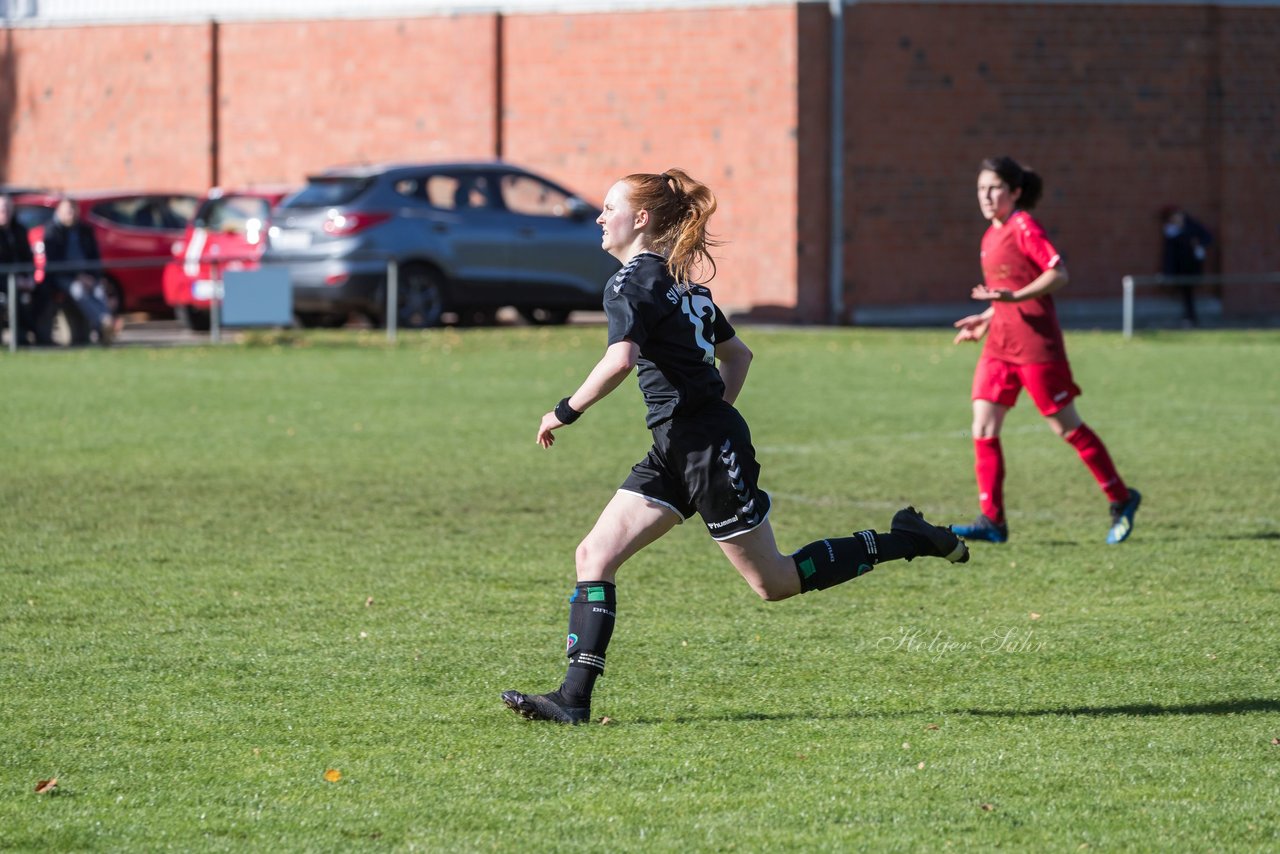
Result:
[
  {"x": 1131, "y": 283},
  {"x": 217, "y": 265}
]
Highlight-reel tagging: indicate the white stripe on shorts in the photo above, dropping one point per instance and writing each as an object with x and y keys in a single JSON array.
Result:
[
  {"x": 657, "y": 501},
  {"x": 749, "y": 530}
]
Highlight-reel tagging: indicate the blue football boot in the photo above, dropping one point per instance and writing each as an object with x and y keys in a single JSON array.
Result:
[
  {"x": 1122, "y": 517},
  {"x": 984, "y": 529}
]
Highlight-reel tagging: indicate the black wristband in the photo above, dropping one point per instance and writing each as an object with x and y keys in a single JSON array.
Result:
[{"x": 566, "y": 413}]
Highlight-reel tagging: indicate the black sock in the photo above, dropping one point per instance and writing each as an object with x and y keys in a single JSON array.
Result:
[
  {"x": 827, "y": 563},
  {"x": 592, "y": 611},
  {"x": 577, "y": 686},
  {"x": 901, "y": 546}
]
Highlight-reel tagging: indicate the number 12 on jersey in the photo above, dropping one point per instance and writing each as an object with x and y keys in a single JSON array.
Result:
[{"x": 702, "y": 314}]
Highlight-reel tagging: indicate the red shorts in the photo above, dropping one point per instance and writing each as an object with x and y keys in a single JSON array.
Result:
[{"x": 1049, "y": 383}]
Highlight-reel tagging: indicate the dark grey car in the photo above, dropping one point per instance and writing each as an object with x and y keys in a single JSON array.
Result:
[{"x": 467, "y": 238}]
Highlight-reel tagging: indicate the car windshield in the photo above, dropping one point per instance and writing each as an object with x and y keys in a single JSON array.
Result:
[
  {"x": 233, "y": 214},
  {"x": 325, "y": 192}
]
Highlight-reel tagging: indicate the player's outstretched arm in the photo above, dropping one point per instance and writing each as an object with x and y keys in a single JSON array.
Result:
[
  {"x": 735, "y": 360},
  {"x": 973, "y": 327},
  {"x": 618, "y": 361}
]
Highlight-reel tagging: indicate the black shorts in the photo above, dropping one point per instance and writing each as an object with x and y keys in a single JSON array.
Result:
[{"x": 704, "y": 463}]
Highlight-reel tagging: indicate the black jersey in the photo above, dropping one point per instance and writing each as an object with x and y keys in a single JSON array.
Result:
[{"x": 676, "y": 328}]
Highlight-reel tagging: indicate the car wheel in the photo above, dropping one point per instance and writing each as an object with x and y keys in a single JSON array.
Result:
[
  {"x": 545, "y": 316},
  {"x": 193, "y": 318},
  {"x": 422, "y": 297}
]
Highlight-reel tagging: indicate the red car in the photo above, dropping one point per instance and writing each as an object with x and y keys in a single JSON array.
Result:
[
  {"x": 135, "y": 232},
  {"x": 230, "y": 224}
]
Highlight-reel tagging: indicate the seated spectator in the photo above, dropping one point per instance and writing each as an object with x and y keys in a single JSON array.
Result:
[
  {"x": 73, "y": 265},
  {"x": 15, "y": 248}
]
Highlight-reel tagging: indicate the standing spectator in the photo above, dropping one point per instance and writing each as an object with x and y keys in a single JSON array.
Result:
[
  {"x": 67, "y": 241},
  {"x": 15, "y": 248},
  {"x": 1024, "y": 347},
  {"x": 1185, "y": 244}
]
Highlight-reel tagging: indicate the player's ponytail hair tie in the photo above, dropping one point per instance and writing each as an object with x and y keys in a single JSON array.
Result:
[{"x": 673, "y": 184}]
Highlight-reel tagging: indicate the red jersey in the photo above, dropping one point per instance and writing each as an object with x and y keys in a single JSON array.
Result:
[{"x": 1014, "y": 255}]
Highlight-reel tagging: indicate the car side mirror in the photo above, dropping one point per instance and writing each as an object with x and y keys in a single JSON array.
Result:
[{"x": 580, "y": 210}]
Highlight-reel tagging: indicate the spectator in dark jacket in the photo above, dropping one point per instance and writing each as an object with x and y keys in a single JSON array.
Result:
[
  {"x": 1185, "y": 244},
  {"x": 74, "y": 265},
  {"x": 15, "y": 249}
]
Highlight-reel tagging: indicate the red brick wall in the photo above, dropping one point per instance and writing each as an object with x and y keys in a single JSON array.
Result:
[
  {"x": 298, "y": 96},
  {"x": 586, "y": 99},
  {"x": 1250, "y": 154},
  {"x": 813, "y": 167},
  {"x": 1121, "y": 108},
  {"x": 106, "y": 106},
  {"x": 1112, "y": 105},
  {"x": 591, "y": 98}
]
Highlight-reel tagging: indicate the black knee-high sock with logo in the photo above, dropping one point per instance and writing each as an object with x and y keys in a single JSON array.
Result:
[
  {"x": 826, "y": 563},
  {"x": 592, "y": 612}
]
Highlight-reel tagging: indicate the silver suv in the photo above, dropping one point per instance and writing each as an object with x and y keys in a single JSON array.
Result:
[{"x": 468, "y": 239}]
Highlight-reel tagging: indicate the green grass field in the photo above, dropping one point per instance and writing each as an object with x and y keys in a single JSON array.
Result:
[{"x": 225, "y": 571}]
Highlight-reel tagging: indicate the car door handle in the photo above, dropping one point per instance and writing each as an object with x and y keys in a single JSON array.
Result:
[
  {"x": 440, "y": 228},
  {"x": 527, "y": 231}
]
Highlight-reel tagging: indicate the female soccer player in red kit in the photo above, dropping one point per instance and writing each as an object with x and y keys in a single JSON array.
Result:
[{"x": 1024, "y": 348}]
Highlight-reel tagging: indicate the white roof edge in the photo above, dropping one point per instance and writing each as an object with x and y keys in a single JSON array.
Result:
[{"x": 30, "y": 13}]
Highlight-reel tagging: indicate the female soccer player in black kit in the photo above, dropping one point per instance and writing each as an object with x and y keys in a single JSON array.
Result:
[{"x": 702, "y": 459}]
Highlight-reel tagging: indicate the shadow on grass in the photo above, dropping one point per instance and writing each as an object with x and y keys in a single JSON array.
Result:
[
  {"x": 754, "y": 717},
  {"x": 1222, "y": 707},
  {"x": 1181, "y": 536},
  {"x": 1063, "y": 543}
]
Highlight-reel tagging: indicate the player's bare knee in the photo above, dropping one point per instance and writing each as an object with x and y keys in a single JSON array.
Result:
[
  {"x": 591, "y": 564},
  {"x": 582, "y": 558},
  {"x": 774, "y": 595},
  {"x": 773, "y": 590}
]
